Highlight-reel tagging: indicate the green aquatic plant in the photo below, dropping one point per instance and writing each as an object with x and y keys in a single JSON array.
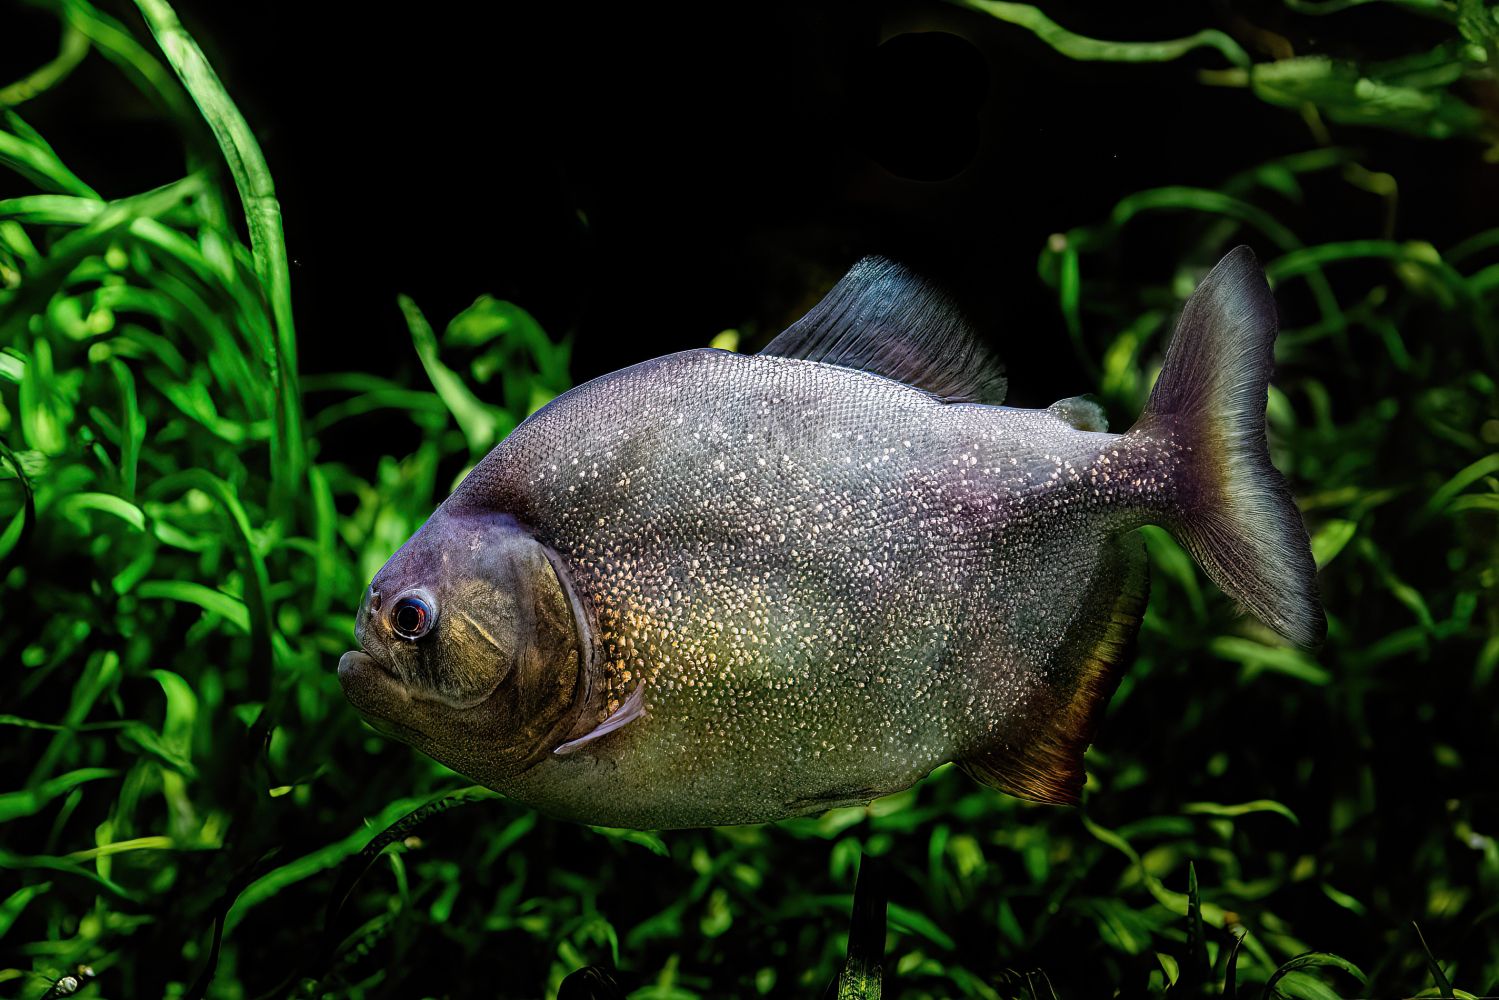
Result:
[
  {"x": 1437, "y": 92},
  {"x": 190, "y": 809}
]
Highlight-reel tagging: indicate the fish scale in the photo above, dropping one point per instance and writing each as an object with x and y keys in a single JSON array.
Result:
[
  {"x": 715, "y": 588},
  {"x": 858, "y": 580}
]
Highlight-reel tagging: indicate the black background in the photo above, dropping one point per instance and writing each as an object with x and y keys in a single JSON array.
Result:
[{"x": 644, "y": 177}]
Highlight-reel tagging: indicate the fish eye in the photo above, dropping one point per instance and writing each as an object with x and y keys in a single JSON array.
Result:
[{"x": 411, "y": 617}]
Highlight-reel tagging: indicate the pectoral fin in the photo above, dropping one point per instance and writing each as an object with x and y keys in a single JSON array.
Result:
[
  {"x": 632, "y": 708},
  {"x": 833, "y": 798}
]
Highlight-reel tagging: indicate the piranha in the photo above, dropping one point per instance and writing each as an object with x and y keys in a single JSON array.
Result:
[{"x": 717, "y": 588}]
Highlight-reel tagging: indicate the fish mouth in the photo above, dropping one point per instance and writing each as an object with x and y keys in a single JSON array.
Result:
[
  {"x": 375, "y": 692},
  {"x": 357, "y": 668}
]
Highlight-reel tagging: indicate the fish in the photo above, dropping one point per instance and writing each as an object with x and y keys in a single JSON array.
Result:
[{"x": 717, "y": 588}]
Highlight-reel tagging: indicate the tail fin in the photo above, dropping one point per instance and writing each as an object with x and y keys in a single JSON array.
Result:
[{"x": 1234, "y": 511}]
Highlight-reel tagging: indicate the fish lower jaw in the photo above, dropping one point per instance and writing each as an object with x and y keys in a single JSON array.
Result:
[{"x": 358, "y": 669}]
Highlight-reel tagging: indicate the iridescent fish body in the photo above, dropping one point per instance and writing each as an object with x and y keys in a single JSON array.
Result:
[{"x": 716, "y": 588}]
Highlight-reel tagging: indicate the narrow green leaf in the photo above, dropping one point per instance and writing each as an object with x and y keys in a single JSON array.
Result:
[
  {"x": 29, "y": 801},
  {"x": 921, "y": 925},
  {"x": 650, "y": 841},
  {"x": 1303, "y": 985},
  {"x": 479, "y": 423},
  {"x": 1169, "y": 967},
  {"x": 252, "y": 177},
  {"x": 226, "y": 606},
  {"x": 1330, "y": 538},
  {"x": 66, "y": 866},
  {"x": 1075, "y": 46},
  {"x": 1444, "y": 985},
  {"x": 1485, "y": 466},
  {"x": 10, "y": 910},
  {"x": 1281, "y": 659},
  {"x": 40, "y": 166},
  {"x": 70, "y": 52},
  {"x": 1240, "y": 809},
  {"x": 269, "y": 884},
  {"x": 252, "y": 564},
  {"x": 106, "y": 503},
  {"x": 1231, "y": 969}
]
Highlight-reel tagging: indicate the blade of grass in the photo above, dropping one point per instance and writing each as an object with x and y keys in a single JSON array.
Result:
[
  {"x": 40, "y": 167},
  {"x": 116, "y": 44},
  {"x": 1444, "y": 985},
  {"x": 480, "y": 423},
  {"x": 257, "y": 582},
  {"x": 1309, "y": 960},
  {"x": 863, "y": 973},
  {"x": 70, "y": 52},
  {"x": 31, "y": 800},
  {"x": 252, "y": 178}
]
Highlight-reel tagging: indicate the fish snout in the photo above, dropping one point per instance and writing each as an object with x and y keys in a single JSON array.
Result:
[
  {"x": 372, "y": 688},
  {"x": 368, "y": 685},
  {"x": 377, "y": 694},
  {"x": 353, "y": 663},
  {"x": 360, "y": 675}
]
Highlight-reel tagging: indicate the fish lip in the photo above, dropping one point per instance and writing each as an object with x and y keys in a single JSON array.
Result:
[
  {"x": 357, "y": 664},
  {"x": 368, "y": 685},
  {"x": 374, "y": 692}
]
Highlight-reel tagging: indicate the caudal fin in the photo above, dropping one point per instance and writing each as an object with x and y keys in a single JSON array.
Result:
[{"x": 1233, "y": 511}]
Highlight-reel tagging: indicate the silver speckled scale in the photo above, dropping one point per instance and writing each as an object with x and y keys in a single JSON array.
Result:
[{"x": 826, "y": 589}]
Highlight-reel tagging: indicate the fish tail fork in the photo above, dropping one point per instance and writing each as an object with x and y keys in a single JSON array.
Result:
[{"x": 1226, "y": 503}]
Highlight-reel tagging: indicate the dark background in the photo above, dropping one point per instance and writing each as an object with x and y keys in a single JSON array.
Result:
[{"x": 644, "y": 177}]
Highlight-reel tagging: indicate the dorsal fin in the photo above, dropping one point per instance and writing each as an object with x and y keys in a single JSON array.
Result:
[{"x": 883, "y": 319}]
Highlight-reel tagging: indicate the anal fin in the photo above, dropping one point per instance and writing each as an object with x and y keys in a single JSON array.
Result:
[{"x": 1043, "y": 759}]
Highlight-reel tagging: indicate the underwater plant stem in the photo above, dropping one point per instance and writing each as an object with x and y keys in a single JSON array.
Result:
[
  {"x": 70, "y": 52},
  {"x": 252, "y": 178},
  {"x": 1080, "y": 47},
  {"x": 1442, "y": 9}
]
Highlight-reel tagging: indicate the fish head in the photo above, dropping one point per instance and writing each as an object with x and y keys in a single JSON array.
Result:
[{"x": 473, "y": 648}]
